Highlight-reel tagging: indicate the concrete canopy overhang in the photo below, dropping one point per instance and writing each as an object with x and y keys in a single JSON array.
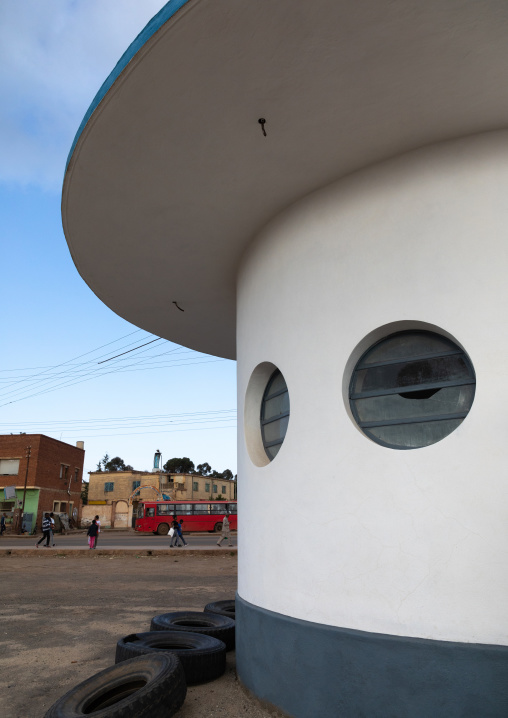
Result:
[{"x": 170, "y": 175}]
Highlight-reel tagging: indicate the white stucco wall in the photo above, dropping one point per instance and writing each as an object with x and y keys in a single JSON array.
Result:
[{"x": 337, "y": 529}]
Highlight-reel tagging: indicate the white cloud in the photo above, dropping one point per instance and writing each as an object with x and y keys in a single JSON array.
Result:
[{"x": 54, "y": 56}]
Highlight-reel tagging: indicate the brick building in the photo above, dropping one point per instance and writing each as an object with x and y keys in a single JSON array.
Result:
[
  {"x": 53, "y": 480},
  {"x": 110, "y": 493}
]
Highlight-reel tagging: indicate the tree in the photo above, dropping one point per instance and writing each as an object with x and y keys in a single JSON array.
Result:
[
  {"x": 179, "y": 466},
  {"x": 226, "y": 474},
  {"x": 204, "y": 469},
  {"x": 115, "y": 464},
  {"x": 84, "y": 493}
]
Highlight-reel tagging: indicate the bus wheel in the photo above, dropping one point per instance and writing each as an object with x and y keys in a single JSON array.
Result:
[
  {"x": 162, "y": 529},
  {"x": 203, "y": 657},
  {"x": 149, "y": 686},
  {"x": 218, "y": 527}
]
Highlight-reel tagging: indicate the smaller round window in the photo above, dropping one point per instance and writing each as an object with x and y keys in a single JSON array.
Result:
[
  {"x": 412, "y": 389},
  {"x": 274, "y": 414}
]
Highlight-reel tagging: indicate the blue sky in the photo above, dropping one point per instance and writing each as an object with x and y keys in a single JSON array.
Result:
[{"x": 54, "y": 55}]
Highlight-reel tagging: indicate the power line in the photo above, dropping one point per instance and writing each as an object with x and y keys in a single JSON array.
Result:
[
  {"x": 50, "y": 379},
  {"x": 67, "y": 376},
  {"x": 179, "y": 349},
  {"x": 44, "y": 374},
  {"x": 128, "y": 418},
  {"x": 127, "y": 423},
  {"x": 128, "y": 352},
  {"x": 167, "y": 431},
  {"x": 92, "y": 351},
  {"x": 73, "y": 383}
]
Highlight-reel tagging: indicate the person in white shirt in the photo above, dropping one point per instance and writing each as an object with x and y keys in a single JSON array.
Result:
[
  {"x": 98, "y": 523},
  {"x": 52, "y": 530},
  {"x": 225, "y": 531}
]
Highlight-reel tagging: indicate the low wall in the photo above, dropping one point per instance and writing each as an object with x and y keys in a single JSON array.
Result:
[{"x": 89, "y": 512}]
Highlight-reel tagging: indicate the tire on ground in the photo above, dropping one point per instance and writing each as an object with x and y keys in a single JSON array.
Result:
[
  {"x": 203, "y": 657},
  {"x": 151, "y": 686},
  {"x": 210, "y": 624},
  {"x": 223, "y": 608},
  {"x": 218, "y": 527},
  {"x": 162, "y": 529}
]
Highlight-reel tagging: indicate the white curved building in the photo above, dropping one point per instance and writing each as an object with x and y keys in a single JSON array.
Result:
[{"x": 353, "y": 259}]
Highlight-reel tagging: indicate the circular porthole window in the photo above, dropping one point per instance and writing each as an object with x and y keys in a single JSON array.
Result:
[
  {"x": 412, "y": 389},
  {"x": 274, "y": 414}
]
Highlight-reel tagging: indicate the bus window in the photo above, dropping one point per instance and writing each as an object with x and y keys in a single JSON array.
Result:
[
  {"x": 200, "y": 508},
  {"x": 219, "y": 509},
  {"x": 141, "y": 510},
  {"x": 150, "y": 512},
  {"x": 185, "y": 509},
  {"x": 165, "y": 509},
  {"x": 232, "y": 508}
]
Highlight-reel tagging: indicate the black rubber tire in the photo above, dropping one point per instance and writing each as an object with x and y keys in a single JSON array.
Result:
[
  {"x": 218, "y": 527},
  {"x": 162, "y": 529},
  {"x": 223, "y": 608},
  {"x": 203, "y": 657},
  {"x": 151, "y": 686},
  {"x": 210, "y": 624}
]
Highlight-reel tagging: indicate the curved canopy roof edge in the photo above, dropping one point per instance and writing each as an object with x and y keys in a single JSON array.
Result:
[
  {"x": 158, "y": 20},
  {"x": 170, "y": 175}
]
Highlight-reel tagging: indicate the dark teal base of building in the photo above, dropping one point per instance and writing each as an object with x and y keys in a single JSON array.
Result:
[{"x": 310, "y": 670}]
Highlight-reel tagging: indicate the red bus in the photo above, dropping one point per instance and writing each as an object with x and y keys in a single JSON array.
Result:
[{"x": 156, "y": 516}]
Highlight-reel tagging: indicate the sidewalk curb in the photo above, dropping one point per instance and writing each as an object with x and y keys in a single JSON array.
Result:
[{"x": 133, "y": 552}]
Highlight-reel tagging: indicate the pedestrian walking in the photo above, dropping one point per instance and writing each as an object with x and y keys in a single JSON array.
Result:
[
  {"x": 225, "y": 531},
  {"x": 52, "y": 529},
  {"x": 176, "y": 536},
  {"x": 46, "y": 531},
  {"x": 180, "y": 532},
  {"x": 98, "y": 523},
  {"x": 2, "y": 524},
  {"x": 92, "y": 534}
]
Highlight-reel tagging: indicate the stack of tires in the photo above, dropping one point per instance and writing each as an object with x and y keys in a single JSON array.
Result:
[{"x": 153, "y": 669}]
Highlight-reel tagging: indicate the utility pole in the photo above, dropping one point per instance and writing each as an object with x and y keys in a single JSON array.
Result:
[{"x": 20, "y": 525}]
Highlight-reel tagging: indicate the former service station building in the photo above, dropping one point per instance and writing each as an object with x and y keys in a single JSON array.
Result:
[{"x": 326, "y": 183}]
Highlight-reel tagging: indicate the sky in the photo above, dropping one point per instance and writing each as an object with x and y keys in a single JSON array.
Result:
[{"x": 54, "y": 56}]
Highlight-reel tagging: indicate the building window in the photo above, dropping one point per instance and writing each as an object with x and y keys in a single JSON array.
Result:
[
  {"x": 223, "y": 489},
  {"x": 195, "y": 486},
  {"x": 76, "y": 475},
  {"x": 56, "y": 507},
  {"x": 412, "y": 389},
  {"x": 9, "y": 467},
  {"x": 64, "y": 470},
  {"x": 109, "y": 486},
  {"x": 274, "y": 414},
  {"x": 207, "y": 487},
  {"x": 215, "y": 488},
  {"x": 135, "y": 484}
]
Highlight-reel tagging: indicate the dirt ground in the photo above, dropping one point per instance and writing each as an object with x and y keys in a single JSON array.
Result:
[{"x": 62, "y": 616}]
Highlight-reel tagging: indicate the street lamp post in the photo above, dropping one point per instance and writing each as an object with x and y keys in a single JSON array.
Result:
[{"x": 20, "y": 524}]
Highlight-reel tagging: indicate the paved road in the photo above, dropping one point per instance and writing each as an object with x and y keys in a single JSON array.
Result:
[{"x": 116, "y": 540}]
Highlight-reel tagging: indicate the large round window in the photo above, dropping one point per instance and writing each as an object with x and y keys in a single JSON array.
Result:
[
  {"x": 412, "y": 389},
  {"x": 274, "y": 414}
]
